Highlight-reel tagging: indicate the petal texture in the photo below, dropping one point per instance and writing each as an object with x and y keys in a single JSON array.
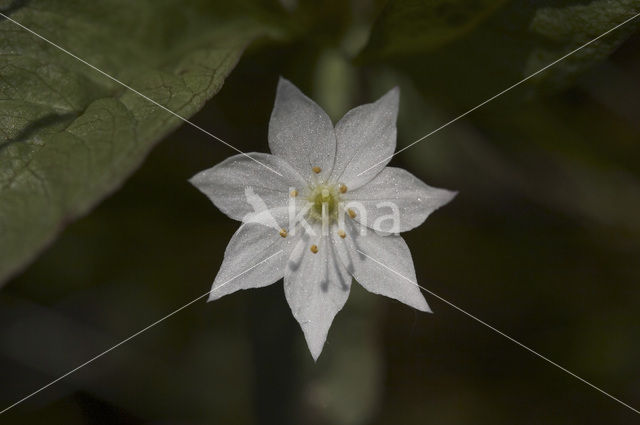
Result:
[
  {"x": 255, "y": 257},
  {"x": 396, "y": 201},
  {"x": 301, "y": 132},
  {"x": 366, "y": 137},
  {"x": 381, "y": 264},
  {"x": 316, "y": 287},
  {"x": 239, "y": 185}
]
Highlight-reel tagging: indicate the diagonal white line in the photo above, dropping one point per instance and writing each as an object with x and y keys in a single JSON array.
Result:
[
  {"x": 532, "y": 351},
  {"x": 137, "y": 92},
  {"x": 502, "y": 92},
  {"x": 135, "y": 335}
]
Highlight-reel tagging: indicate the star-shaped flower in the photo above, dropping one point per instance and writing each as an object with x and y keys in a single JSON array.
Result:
[{"x": 330, "y": 212}]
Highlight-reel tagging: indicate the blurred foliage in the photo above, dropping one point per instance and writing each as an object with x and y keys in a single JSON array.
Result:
[
  {"x": 474, "y": 52},
  {"x": 542, "y": 241},
  {"x": 412, "y": 26}
]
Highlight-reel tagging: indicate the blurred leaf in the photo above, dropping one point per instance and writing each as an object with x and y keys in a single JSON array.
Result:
[
  {"x": 499, "y": 46},
  {"x": 568, "y": 28},
  {"x": 416, "y": 26},
  {"x": 549, "y": 151},
  {"x": 69, "y": 135}
]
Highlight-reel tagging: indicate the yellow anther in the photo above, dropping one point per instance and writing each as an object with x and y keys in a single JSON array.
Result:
[
  {"x": 342, "y": 234},
  {"x": 314, "y": 249},
  {"x": 283, "y": 233},
  {"x": 294, "y": 193},
  {"x": 316, "y": 169},
  {"x": 351, "y": 213},
  {"x": 343, "y": 188}
]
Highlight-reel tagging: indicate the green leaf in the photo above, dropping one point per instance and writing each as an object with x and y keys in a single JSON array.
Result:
[
  {"x": 68, "y": 135},
  {"x": 417, "y": 26},
  {"x": 499, "y": 45},
  {"x": 565, "y": 29}
]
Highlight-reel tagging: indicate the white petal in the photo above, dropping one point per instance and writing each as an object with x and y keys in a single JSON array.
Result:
[
  {"x": 366, "y": 137},
  {"x": 233, "y": 184},
  {"x": 381, "y": 264},
  {"x": 396, "y": 201},
  {"x": 255, "y": 257},
  {"x": 301, "y": 132},
  {"x": 316, "y": 287}
]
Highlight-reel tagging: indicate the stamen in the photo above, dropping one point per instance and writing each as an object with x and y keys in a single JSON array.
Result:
[
  {"x": 316, "y": 169},
  {"x": 283, "y": 233},
  {"x": 294, "y": 193},
  {"x": 314, "y": 249},
  {"x": 351, "y": 213},
  {"x": 343, "y": 188},
  {"x": 342, "y": 234},
  {"x": 325, "y": 216}
]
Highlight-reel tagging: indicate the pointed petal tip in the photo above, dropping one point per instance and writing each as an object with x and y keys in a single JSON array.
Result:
[
  {"x": 417, "y": 301},
  {"x": 194, "y": 179},
  {"x": 389, "y": 103},
  {"x": 214, "y": 292},
  {"x": 393, "y": 95},
  {"x": 451, "y": 195},
  {"x": 422, "y": 306},
  {"x": 211, "y": 296},
  {"x": 315, "y": 356},
  {"x": 315, "y": 350},
  {"x": 315, "y": 343},
  {"x": 283, "y": 83},
  {"x": 203, "y": 178}
]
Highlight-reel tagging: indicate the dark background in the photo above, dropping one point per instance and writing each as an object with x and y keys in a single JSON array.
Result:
[{"x": 542, "y": 242}]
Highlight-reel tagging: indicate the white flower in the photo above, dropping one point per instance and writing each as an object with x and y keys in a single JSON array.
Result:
[{"x": 340, "y": 226}]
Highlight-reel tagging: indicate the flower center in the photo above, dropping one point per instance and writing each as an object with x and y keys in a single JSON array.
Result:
[{"x": 325, "y": 196}]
